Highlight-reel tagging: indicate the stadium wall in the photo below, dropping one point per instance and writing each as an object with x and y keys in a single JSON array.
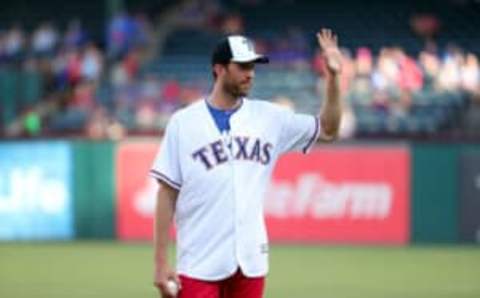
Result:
[
  {"x": 94, "y": 189},
  {"x": 386, "y": 194},
  {"x": 435, "y": 193},
  {"x": 441, "y": 185}
]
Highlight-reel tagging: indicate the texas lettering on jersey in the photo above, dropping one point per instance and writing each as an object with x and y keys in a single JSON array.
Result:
[{"x": 242, "y": 148}]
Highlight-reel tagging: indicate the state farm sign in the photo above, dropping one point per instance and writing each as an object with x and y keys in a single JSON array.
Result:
[
  {"x": 340, "y": 195},
  {"x": 313, "y": 195}
]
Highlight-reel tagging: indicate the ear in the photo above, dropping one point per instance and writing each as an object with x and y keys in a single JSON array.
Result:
[{"x": 219, "y": 69}]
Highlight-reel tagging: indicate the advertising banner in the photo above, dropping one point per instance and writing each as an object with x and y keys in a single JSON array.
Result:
[
  {"x": 135, "y": 190},
  {"x": 341, "y": 195},
  {"x": 470, "y": 197},
  {"x": 35, "y": 191},
  {"x": 337, "y": 195}
]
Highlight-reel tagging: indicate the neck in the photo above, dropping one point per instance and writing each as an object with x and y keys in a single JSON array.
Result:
[{"x": 223, "y": 100}]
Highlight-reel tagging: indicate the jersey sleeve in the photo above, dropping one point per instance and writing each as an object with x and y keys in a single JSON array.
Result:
[
  {"x": 299, "y": 131},
  {"x": 166, "y": 166}
]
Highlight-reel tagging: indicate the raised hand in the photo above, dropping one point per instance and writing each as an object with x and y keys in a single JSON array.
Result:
[{"x": 329, "y": 44}]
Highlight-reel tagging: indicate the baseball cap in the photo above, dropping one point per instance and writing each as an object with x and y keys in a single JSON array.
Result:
[{"x": 236, "y": 48}]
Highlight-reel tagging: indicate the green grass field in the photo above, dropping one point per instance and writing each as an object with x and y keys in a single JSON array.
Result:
[{"x": 109, "y": 269}]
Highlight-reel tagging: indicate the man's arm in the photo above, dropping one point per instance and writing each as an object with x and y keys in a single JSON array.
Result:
[
  {"x": 331, "y": 111},
  {"x": 164, "y": 210}
]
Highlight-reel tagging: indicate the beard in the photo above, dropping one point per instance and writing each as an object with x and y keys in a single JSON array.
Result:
[{"x": 235, "y": 89}]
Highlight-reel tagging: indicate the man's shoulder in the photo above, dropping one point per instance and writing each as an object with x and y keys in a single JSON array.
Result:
[{"x": 188, "y": 111}]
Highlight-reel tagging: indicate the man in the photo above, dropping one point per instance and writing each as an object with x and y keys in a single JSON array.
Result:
[{"x": 213, "y": 167}]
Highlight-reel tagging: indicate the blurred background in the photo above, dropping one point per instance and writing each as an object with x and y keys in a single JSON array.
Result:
[{"x": 391, "y": 210}]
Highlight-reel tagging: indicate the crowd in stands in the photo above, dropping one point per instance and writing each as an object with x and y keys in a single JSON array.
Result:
[
  {"x": 69, "y": 67},
  {"x": 103, "y": 91},
  {"x": 393, "y": 75},
  {"x": 400, "y": 87}
]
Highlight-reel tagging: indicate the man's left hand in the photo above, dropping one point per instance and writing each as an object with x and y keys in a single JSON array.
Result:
[{"x": 329, "y": 44}]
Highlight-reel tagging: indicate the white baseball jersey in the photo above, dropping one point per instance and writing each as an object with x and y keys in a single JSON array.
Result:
[{"x": 222, "y": 179}]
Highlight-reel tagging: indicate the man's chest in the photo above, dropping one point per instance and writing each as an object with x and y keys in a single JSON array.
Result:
[{"x": 203, "y": 146}]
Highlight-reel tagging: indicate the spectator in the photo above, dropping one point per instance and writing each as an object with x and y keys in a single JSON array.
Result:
[
  {"x": 121, "y": 32},
  {"x": 131, "y": 63},
  {"x": 410, "y": 76},
  {"x": 387, "y": 73},
  {"x": 44, "y": 40},
  {"x": 150, "y": 89},
  {"x": 362, "y": 84},
  {"x": 233, "y": 24},
  {"x": 142, "y": 31},
  {"x": 60, "y": 70},
  {"x": 430, "y": 65},
  {"x": 14, "y": 43},
  {"x": 97, "y": 124},
  {"x": 75, "y": 36},
  {"x": 101, "y": 125},
  {"x": 171, "y": 92},
  {"x": 145, "y": 116},
  {"x": 449, "y": 77},
  {"x": 32, "y": 123},
  {"x": 92, "y": 63},
  {"x": 285, "y": 51},
  {"x": 73, "y": 67},
  {"x": 385, "y": 80},
  {"x": 115, "y": 130},
  {"x": 470, "y": 74},
  {"x": 364, "y": 62},
  {"x": 191, "y": 14},
  {"x": 83, "y": 96},
  {"x": 119, "y": 75},
  {"x": 213, "y": 12}
]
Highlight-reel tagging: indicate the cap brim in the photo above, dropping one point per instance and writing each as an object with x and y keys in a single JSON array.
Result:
[{"x": 256, "y": 59}]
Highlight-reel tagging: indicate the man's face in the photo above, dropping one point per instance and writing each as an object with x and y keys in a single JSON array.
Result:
[{"x": 238, "y": 78}]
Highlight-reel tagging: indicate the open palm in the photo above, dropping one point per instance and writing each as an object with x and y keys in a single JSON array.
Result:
[{"x": 329, "y": 44}]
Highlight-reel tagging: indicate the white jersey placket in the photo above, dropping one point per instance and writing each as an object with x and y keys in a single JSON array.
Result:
[{"x": 238, "y": 208}]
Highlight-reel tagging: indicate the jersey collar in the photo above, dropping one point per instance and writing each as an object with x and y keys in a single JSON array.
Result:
[{"x": 232, "y": 111}]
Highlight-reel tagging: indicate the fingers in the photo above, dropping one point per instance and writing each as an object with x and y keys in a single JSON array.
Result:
[
  {"x": 328, "y": 42},
  {"x": 327, "y": 33},
  {"x": 320, "y": 39},
  {"x": 326, "y": 37},
  {"x": 163, "y": 289},
  {"x": 163, "y": 276},
  {"x": 162, "y": 285},
  {"x": 173, "y": 276}
]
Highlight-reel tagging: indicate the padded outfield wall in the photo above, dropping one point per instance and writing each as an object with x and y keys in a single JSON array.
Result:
[{"x": 389, "y": 194}]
